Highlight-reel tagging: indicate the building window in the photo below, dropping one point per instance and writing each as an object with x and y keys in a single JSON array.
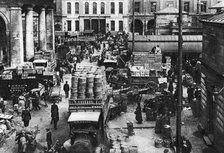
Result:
[
  {"x": 137, "y": 7},
  {"x": 169, "y": 3},
  {"x": 94, "y": 8},
  {"x": 112, "y": 8},
  {"x": 86, "y": 8},
  {"x": 69, "y": 25},
  {"x": 153, "y": 6},
  {"x": 69, "y": 9},
  {"x": 203, "y": 6},
  {"x": 76, "y": 8},
  {"x": 120, "y": 8},
  {"x": 86, "y": 24},
  {"x": 112, "y": 25},
  {"x": 102, "y": 8},
  {"x": 76, "y": 25},
  {"x": 121, "y": 27},
  {"x": 187, "y": 6}
]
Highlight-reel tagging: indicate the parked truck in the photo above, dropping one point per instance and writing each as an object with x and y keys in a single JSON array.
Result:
[{"x": 87, "y": 120}]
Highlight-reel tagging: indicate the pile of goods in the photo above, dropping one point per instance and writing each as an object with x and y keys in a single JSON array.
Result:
[
  {"x": 119, "y": 144},
  {"x": 88, "y": 82},
  {"x": 159, "y": 143},
  {"x": 152, "y": 61}
]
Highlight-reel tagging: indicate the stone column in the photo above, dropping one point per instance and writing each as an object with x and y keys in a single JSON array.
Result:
[
  {"x": 29, "y": 48},
  {"x": 50, "y": 29},
  {"x": 42, "y": 30},
  {"x": 16, "y": 37}
]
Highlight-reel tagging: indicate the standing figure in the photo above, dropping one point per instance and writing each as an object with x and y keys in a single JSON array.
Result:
[
  {"x": 2, "y": 105},
  {"x": 21, "y": 104},
  {"x": 48, "y": 138},
  {"x": 138, "y": 114},
  {"x": 54, "y": 114},
  {"x": 36, "y": 101},
  {"x": 158, "y": 50},
  {"x": 190, "y": 94},
  {"x": 61, "y": 73},
  {"x": 170, "y": 87},
  {"x": 66, "y": 89},
  {"x": 26, "y": 117},
  {"x": 153, "y": 50}
]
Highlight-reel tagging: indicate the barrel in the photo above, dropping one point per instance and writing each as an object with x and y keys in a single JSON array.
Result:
[
  {"x": 74, "y": 85},
  {"x": 98, "y": 86},
  {"x": 82, "y": 88},
  {"x": 74, "y": 82},
  {"x": 133, "y": 149},
  {"x": 158, "y": 143}
]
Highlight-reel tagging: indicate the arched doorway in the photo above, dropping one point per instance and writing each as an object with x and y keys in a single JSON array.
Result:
[
  {"x": 138, "y": 26},
  {"x": 3, "y": 42},
  {"x": 151, "y": 27}
]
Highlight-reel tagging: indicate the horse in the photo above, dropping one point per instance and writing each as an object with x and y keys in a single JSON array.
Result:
[{"x": 27, "y": 141}]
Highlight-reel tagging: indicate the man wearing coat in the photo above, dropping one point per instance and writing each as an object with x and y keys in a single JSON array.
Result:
[
  {"x": 66, "y": 89},
  {"x": 54, "y": 115},
  {"x": 26, "y": 117},
  {"x": 48, "y": 138},
  {"x": 138, "y": 114},
  {"x": 190, "y": 94}
]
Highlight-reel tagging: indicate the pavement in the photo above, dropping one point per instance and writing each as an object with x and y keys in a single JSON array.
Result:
[{"x": 145, "y": 133}]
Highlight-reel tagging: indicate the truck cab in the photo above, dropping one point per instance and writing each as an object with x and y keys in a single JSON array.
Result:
[{"x": 86, "y": 129}]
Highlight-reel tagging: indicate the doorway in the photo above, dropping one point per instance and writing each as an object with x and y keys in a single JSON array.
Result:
[{"x": 138, "y": 26}]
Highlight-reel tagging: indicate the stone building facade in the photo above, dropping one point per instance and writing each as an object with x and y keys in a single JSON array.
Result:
[
  {"x": 99, "y": 16},
  {"x": 212, "y": 81},
  {"x": 18, "y": 41},
  {"x": 145, "y": 11}
]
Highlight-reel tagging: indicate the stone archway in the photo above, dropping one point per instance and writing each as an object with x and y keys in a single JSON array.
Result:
[
  {"x": 138, "y": 26},
  {"x": 3, "y": 42},
  {"x": 151, "y": 27}
]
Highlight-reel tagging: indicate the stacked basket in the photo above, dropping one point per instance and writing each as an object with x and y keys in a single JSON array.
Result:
[{"x": 89, "y": 86}]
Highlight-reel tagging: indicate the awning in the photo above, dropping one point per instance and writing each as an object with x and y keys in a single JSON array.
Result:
[
  {"x": 84, "y": 116},
  {"x": 88, "y": 31},
  {"x": 167, "y": 43}
]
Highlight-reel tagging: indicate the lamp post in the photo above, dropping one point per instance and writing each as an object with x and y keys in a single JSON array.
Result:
[
  {"x": 179, "y": 85},
  {"x": 133, "y": 26}
]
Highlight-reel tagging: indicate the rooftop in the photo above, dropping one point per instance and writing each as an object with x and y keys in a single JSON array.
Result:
[
  {"x": 218, "y": 18},
  {"x": 218, "y": 5}
]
